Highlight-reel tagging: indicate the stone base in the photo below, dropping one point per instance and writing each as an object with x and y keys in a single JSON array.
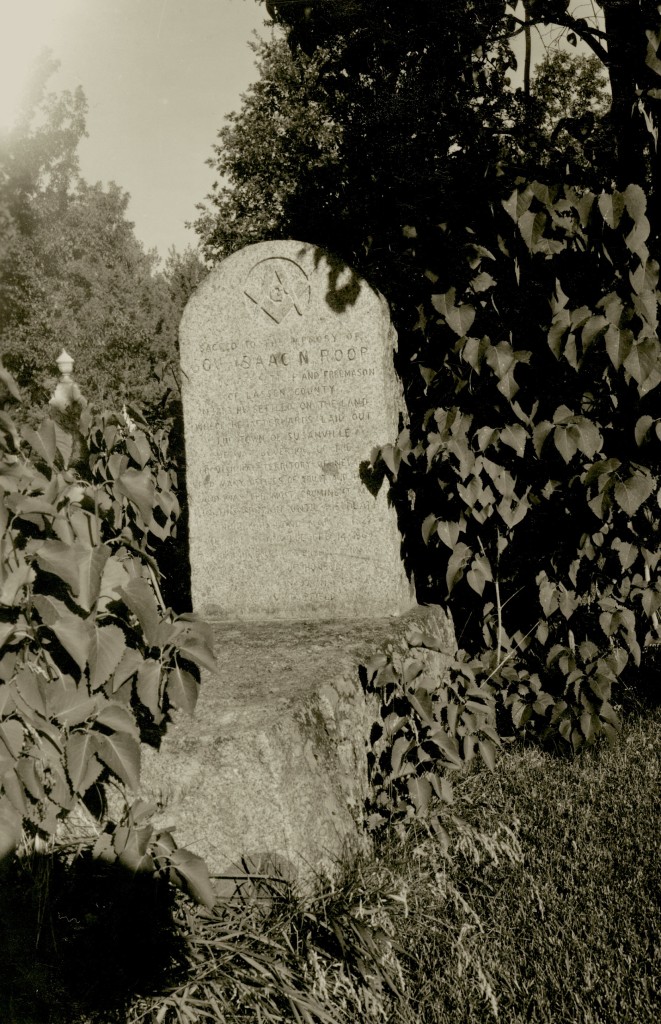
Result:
[{"x": 273, "y": 766}]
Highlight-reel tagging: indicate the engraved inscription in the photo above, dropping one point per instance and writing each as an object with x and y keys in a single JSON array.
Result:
[
  {"x": 277, "y": 287},
  {"x": 284, "y": 397}
]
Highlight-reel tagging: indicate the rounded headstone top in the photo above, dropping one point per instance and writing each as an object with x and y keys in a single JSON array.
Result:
[{"x": 288, "y": 384}]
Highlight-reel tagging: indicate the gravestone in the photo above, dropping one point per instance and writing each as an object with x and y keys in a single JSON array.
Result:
[
  {"x": 288, "y": 382},
  {"x": 287, "y": 361}
]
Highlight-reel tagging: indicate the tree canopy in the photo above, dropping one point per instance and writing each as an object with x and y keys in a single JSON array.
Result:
[
  {"x": 515, "y": 232},
  {"x": 72, "y": 272}
]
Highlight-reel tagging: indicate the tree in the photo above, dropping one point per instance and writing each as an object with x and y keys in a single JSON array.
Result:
[
  {"x": 627, "y": 46},
  {"x": 520, "y": 258},
  {"x": 283, "y": 143},
  {"x": 72, "y": 272}
]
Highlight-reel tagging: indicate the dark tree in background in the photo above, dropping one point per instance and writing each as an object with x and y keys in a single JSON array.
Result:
[{"x": 515, "y": 232}]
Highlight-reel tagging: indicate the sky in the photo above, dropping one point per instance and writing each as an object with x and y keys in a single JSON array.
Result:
[{"x": 159, "y": 76}]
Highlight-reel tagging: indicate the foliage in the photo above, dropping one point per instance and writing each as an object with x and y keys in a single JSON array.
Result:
[
  {"x": 540, "y": 504},
  {"x": 433, "y": 718},
  {"x": 72, "y": 272},
  {"x": 527, "y": 480},
  {"x": 91, "y": 661},
  {"x": 338, "y": 144},
  {"x": 283, "y": 135}
]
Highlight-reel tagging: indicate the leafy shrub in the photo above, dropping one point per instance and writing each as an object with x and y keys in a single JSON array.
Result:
[
  {"x": 91, "y": 660},
  {"x": 532, "y": 463},
  {"x": 433, "y": 718}
]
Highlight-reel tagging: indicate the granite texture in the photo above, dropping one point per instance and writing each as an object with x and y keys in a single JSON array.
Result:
[
  {"x": 273, "y": 766},
  {"x": 288, "y": 384}
]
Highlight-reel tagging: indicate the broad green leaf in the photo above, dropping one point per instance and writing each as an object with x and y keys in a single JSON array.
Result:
[
  {"x": 71, "y": 706},
  {"x": 457, "y": 564},
  {"x": 448, "y": 533},
  {"x": 642, "y": 360},
  {"x": 16, "y": 579},
  {"x": 594, "y": 326},
  {"x": 121, "y": 753},
  {"x": 613, "y": 308},
  {"x": 199, "y": 653},
  {"x": 618, "y": 345},
  {"x": 182, "y": 689},
  {"x": 64, "y": 443},
  {"x": 91, "y": 565},
  {"x": 611, "y": 207},
  {"x": 587, "y": 436},
  {"x": 50, "y": 609},
  {"x": 117, "y": 718},
  {"x": 444, "y": 302},
  {"x": 565, "y": 442},
  {"x": 626, "y": 551},
  {"x": 131, "y": 847},
  {"x": 138, "y": 486},
  {"x": 636, "y": 201},
  {"x": 141, "y": 600},
  {"x": 428, "y": 527},
  {"x": 460, "y": 319},
  {"x": 518, "y": 203},
  {"x": 195, "y": 875},
  {"x": 632, "y": 493},
  {"x": 107, "y": 647},
  {"x": 482, "y": 282},
  {"x": 638, "y": 236},
  {"x": 30, "y": 688},
  {"x": 420, "y": 793},
  {"x": 43, "y": 441},
  {"x": 531, "y": 226},
  {"x": 75, "y": 635},
  {"x": 539, "y": 435},
  {"x": 12, "y": 738},
  {"x": 26, "y": 769},
  {"x": 82, "y": 765},
  {"x": 148, "y": 687},
  {"x": 130, "y": 664},
  {"x": 113, "y": 578},
  {"x": 479, "y": 574},
  {"x": 642, "y": 428},
  {"x": 488, "y": 752},
  {"x": 400, "y": 749},
  {"x": 62, "y": 560},
  {"x": 515, "y": 436},
  {"x": 138, "y": 448}
]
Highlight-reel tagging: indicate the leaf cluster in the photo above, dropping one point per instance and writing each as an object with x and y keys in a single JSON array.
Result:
[
  {"x": 91, "y": 661},
  {"x": 533, "y": 452},
  {"x": 433, "y": 719}
]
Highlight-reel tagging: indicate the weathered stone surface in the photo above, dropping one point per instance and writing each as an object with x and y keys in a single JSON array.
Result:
[
  {"x": 274, "y": 762},
  {"x": 288, "y": 384}
]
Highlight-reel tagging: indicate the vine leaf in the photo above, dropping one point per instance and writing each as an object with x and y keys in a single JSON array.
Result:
[
  {"x": 75, "y": 635},
  {"x": 148, "y": 687},
  {"x": 138, "y": 486},
  {"x": 107, "y": 646},
  {"x": 82, "y": 766},
  {"x": 195, "y": 875},
  {"x": 182, "y": 689},
  {"x": 632, "y": 493},
  {"x": 141, "y": 600},
  {"x": 121, "y": 753}
]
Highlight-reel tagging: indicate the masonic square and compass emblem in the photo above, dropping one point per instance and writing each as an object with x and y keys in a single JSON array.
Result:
[{"x": 278, "y": 287}]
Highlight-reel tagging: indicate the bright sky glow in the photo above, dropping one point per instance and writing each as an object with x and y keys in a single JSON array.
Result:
[
  {"x": 159, "y": 77},
  {"x": 26, "y": 28}
]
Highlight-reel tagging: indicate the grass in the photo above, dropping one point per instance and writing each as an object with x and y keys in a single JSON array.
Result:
[{"x": 546, "y": 909}]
